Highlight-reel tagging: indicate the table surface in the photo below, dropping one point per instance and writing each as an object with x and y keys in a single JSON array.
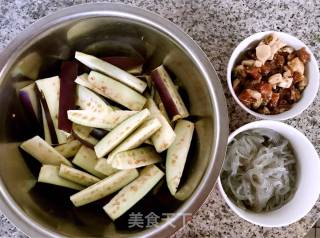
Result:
[{"x": 217, "y": 26}]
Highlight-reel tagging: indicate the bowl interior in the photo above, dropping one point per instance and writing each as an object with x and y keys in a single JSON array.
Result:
[
  {"x": 49, "y": 206},
  {"x": 308, "y": 167},
  {"x": 311, "y": 72}
]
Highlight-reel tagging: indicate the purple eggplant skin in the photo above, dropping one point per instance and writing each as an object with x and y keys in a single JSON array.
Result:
[
  {"x": 169, "y": 94},
  {"x": 167, "y": 100},
  {"x": 123, "y": 62},
  {"x": 33, "y": 120},
  {"x": 26, "y": 102},
  {"x": 68, "y": 73},
  {"x": 53, "y": 135},
  {"x": 98, "y": 133}
]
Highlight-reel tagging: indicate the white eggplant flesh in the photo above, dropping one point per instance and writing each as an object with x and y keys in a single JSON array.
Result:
[
  {"x": 104, "y": 167},
  {"x": 116, "y": 91},
  {"x": 86, "y": 159},
  {"x": 69, "y": 149},
  {"x": 82, "y": 80},
  {"x": 43, "y": 152},
  {"x": 119, "y": 133},
  {"x": 135, "y": 158},
  {"x": 165, "y": 136},
  {"x": 133, "y": 192},
  {"x": 177, "y": 154},
  {"x": 51, "y": 89},
  {"x": 148, "y": 141},
  {"x": 104, "y": 187},
  {"x": 104, "y": 67},
  {"x": 82, "y": 133},
  {"x": 138, "y": 137},
  {"x": 50, "y": 174},
  {"x": 102, "y": 120},
  {"x": 135, "y": 70},
  {"x": 88, "y": 100},
  {"x": 77, "y": 176}
]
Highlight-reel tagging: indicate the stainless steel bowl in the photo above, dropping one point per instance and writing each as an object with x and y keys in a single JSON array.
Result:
[{"x": 106, "y": 28}]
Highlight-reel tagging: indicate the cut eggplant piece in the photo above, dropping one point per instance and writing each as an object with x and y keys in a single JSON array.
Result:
[
  {"x": 51, "y": 89},
  {"x": 46, "y": 130},
  {"x": 116, "y": 91},
  {"x": 22, "y": 83},
  {"x": 88, "y": 100},
  {"x": 123, "y": 62},
  {"x": 50, "y": 174},
  {"x": 48, "y": 125},
  {"x": 135, "y": 158},
  {"x": 148, "y": 80},
  {"x": 30, "y": 101},
  {"x": 135, "y": 70},
  {"x": 88, "y": 141},
  {"x": 28, "y": 66},
  {"x": 163, "y": 111},
  {"x": 119, "y": 133},
  {"x": 104, "y": 187},
  {"x": 43, "y": 152},
  {"x": 169, "y": 94},
  {"x": 133, "y": 192},
  {"x": 165, "y": 136},
  {"x": 77, "y": 176},
  {"x": 148, "y": 142},
  {"x": 82, "y": 133},
  {"x": 68, "y": 73},
  {"x": 104, "y": 167},
  {"x": 69, "y": 149},
  {"x": 137, "y": 138},
  {"x": 83, "y": 81},
  {"x": 102, "y": 120},
  {"x": 86, "y": 159},
  {"x": 112, "y": 71},
  {"x": 177, "y": 154}
]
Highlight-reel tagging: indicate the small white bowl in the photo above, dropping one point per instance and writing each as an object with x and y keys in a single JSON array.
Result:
[
  {"x": 312, "y": 74},
  {"x": 308, "y": 177}
]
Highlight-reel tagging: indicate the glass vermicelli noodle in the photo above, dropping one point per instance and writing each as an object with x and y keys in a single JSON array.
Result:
[{"x": 259, "y": 172}]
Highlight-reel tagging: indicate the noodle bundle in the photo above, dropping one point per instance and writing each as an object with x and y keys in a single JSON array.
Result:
[{"x": 259, "y": 172}]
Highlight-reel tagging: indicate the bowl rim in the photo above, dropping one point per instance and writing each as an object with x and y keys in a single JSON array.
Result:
[
  {"x": 264, "y": 124},
  {"x": 221, "y": 127},
  {"x": 281, "y": 116}
]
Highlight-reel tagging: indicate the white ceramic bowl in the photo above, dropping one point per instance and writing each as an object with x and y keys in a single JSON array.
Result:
[
  {"x": 312, "y": 73},
  {"x": 308, "y": 172}
]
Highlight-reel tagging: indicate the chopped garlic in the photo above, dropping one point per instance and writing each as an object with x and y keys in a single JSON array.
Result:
[
  {"x": 275, "y": 79},
  {"x": 266, "y": 52},
  {"x": 263, "y": 52},
  {"x": 285, "y": 83},
  {"x": 296, "y": 65},
  {"x": 254, "y": 94},
  {"x": 275, "y": 46}
]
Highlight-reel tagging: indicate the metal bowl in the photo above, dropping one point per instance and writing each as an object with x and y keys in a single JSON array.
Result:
[{"x": 41, "y": 211}]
